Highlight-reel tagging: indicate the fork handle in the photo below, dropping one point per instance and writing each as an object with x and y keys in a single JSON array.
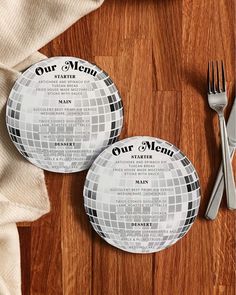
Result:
[
  {"x": 217, "y": 192},
  {"x": 227, "y": 167}
]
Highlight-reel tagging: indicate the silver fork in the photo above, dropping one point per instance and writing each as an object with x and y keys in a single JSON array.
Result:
[{"x": 217, "y": 99}]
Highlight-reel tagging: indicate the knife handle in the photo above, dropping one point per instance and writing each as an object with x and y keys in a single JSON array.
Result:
[
  {"x": 227, "y": 167},
  {"x": 217, "y": 193}
]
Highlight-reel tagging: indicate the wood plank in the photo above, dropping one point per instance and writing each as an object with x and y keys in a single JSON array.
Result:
[
  {"x": 136, "y": 271},
  {"x": 46, "y": 256},
  {"x": 166, "y": 27},
  {"x": 25, "y": 249},
  {"x": 76, "y": 239}
]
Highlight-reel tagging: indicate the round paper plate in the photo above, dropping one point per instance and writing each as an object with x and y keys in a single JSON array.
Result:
[
  {"x": 62, "y": 112},
  {"x": 141, "y": 194}
]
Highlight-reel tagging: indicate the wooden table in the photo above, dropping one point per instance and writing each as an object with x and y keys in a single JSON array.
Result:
[{"x": 157, "y": 54}]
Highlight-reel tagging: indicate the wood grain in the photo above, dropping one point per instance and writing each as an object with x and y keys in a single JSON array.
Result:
[{"x": 157, "y": 54}]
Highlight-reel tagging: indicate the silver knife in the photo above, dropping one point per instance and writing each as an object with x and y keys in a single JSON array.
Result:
[{"x": 218, "y": 190}]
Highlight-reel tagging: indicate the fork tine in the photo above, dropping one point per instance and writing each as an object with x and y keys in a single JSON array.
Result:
[
  {"x": 223, "y": 76},
  {"x": 208, "y": 78},
  {"x": 213, "y": 79},
  {"x": 218, "y": 78}
]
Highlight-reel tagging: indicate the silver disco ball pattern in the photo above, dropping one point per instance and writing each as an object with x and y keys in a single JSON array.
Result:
[
  {"x": 142, "y": 194},
  {"x": 62, "y": 112}
]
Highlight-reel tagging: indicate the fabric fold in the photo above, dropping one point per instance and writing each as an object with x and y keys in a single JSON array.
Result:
[
  {"x": 22, "y": 185},
  {"x": 35, "y": 23},
  {"x": 23, "y": 194},
  {"x": 10, "y": 272}
]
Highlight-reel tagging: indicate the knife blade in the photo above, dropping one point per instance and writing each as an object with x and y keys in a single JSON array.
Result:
[
  {"x": 218, "y": 189},
  {"x": 231, "y": 126}
]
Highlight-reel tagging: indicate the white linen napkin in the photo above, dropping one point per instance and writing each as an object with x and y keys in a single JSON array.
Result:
[{"x": 25, "y": 26}]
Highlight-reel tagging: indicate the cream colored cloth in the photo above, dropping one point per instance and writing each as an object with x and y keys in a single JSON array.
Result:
[{"x": 25, "y": 26}]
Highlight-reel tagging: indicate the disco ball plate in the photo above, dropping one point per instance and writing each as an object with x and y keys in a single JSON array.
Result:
[
  {"x": 62, "y": 112},
  {"x": 142, "y": 194}
]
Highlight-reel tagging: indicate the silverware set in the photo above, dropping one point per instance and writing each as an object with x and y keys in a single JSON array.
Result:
[{"x": 217, "y": 99}]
